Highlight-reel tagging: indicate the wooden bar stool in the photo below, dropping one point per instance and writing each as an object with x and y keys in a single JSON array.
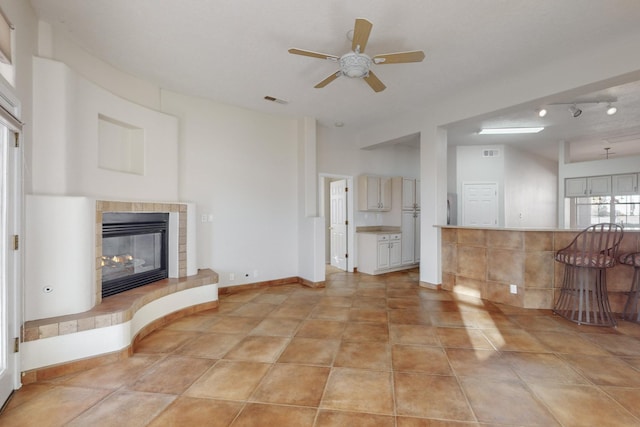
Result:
[
  {"x": 631, "y": 311},
  {"x": 583, "y": 296}
]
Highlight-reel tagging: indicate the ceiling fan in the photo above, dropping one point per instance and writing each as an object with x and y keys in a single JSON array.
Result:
[{"x": 356, "y": 64}]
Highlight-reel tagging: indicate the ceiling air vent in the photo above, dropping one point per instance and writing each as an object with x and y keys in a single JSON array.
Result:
[
  {"x": 490, "y": 152},
  {"x": 274, "y": 99}
]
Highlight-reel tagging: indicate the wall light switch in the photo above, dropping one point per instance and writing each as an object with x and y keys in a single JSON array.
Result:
[{"x": 513, "y": 289}]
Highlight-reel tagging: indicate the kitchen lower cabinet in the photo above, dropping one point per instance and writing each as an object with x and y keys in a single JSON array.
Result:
[{"x": 379, "y": 252}]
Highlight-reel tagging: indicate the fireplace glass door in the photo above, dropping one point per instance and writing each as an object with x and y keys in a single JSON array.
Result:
[{"x": 134, "y": 250}]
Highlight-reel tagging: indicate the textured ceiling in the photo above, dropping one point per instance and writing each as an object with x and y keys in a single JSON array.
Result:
[
  {"x": 588, "y": 134},
  {"x": 235, "y": 51}
]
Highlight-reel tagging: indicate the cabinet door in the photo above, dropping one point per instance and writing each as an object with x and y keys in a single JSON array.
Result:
[
  {"x": 625, "y": 184},
  {"x": 373, "y": 193},
  {"x": 599, "y": 185},
  {"x": 416, "y": 256},
  {"x": 408, "y": 237},
  {"x": 395, "y": 253},
  {"x": 384, "y": 184},
  {"x": 575, "y": 187},
  {"x": 408, "y": 193},
  {"x": 383, "y": 255}
]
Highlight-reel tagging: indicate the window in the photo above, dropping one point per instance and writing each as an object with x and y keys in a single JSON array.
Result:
[{"x": 623, "y": 210}]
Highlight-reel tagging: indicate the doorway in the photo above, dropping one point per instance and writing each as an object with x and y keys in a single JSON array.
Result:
[
  {"x": 338, "y": 224},
  {"x": 480, "y": 204},
  {"x": 336, "y": 203},
  {"x": 10, "y": 261}
]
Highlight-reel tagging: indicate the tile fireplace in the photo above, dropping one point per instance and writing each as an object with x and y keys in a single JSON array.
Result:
[{"x": 134, "y": 250}]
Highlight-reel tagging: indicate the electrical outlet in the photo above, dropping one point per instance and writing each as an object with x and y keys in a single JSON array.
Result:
[
  {"x": 513, "y": 289},
  {"x": 232, "y": 277}
]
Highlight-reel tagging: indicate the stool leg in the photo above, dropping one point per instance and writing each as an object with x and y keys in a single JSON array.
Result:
[
  {"x": 583, "y": 297},
  {"x": 603, "y": 298},
  {"x": 631, "y": 307}
]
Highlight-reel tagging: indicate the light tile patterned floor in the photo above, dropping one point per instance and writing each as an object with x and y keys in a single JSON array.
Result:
[{"x": 364, "y": 351}]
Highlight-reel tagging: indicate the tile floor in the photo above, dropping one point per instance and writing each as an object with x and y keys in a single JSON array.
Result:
[{"x": 364, "y": 351}]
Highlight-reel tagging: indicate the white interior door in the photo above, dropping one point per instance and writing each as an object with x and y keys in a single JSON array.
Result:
[
  {"x": 480, "y": 204},
  {"x": 338, "y": 223},
  {"x": 9, "y": 261}
]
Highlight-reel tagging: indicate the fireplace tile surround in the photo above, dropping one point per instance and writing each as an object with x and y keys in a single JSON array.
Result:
[
  {"x": 116, "y": 309},
  {"x": 130, "y": 306},
  {"x": 132, "y": 207}
]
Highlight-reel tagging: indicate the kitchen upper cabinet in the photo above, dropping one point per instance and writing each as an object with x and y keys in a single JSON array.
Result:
[
  {"x": 575, "y": 187},
  {"x": 410, "y": 193},
  {"x": 599, "y": 185},
  {"x": 625, "y": 184},
  {"x": 374, "y": 193},
  {"x": 589, "y": 186}
]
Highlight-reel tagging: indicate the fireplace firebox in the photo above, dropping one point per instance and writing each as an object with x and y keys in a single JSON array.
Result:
[{"x": 134, "y": 250}]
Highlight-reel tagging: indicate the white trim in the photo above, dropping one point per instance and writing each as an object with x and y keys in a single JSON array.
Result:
[{"x": 10, "y": 108}]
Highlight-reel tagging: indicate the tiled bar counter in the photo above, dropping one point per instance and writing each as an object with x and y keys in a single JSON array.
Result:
[{"x": 484, "y": 262}]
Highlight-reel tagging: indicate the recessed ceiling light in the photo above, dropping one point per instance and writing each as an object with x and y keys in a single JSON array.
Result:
[
  {"x": 338, "y": 124},
  {"x": 509, "y": 131},
  {"x": 611, "y": 110},
  {"x": 542, "y": 112}
]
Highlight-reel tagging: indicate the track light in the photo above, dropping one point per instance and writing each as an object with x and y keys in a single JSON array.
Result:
[
  {"x": 575, "y": 111},
  {"x": 575, "y": 107}
]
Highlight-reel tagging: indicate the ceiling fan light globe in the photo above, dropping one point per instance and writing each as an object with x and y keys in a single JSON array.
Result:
[
  {"x": 355, "y": 65},
  {"x": 355, "y": 72}
]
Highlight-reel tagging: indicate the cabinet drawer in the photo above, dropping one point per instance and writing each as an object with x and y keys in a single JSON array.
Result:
[
  {"x": 397, "y": 236},
  {"x": 382, "y": 237}
]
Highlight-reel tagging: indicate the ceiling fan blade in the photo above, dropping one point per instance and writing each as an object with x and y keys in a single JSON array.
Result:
[
  {"x": 399, "y": 57},
  {"x": 375, "y": 83},
  {"x": 313, "y": 54},
  {"x": 328, "y": 80},
  {"x": 361, "y": 32}
]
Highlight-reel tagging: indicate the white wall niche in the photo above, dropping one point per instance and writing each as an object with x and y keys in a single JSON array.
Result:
[{"x": 121, "y": 146}]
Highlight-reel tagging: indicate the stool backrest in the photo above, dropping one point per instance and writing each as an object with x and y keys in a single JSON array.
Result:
[{"x": 597, "y": 245}]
